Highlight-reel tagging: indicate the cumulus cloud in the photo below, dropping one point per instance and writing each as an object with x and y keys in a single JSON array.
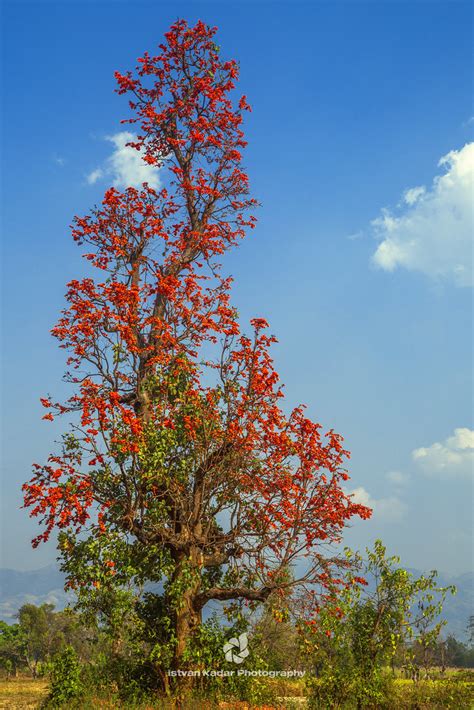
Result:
[
  {"x": 431, "y": 230},
  {"x": 391, "y": 509},
  {"x": 452, "y": 457},
  {"x": 125, "y": 166}
]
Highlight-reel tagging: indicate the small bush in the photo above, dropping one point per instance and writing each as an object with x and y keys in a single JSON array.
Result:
[
  {"x": 465, "y": 675},
  {"x": 130, "y": 680},
  {"x": 348, "y": 690},
  {"x": 66, "y": 681},
  {"x": 434, "y": 695}
]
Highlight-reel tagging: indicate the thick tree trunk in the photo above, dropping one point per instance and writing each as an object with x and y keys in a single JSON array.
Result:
[
  {"x": 187, "y": 621},
  {"x": 188, "y": 615}
]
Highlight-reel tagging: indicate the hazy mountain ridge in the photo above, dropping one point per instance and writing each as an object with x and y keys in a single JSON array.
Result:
[
  {"x": 458, "y": 608},
  {"x": 46, "y": 585},
  {"x": 40, "y": 586}
]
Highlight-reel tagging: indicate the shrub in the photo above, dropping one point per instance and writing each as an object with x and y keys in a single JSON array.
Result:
[
  {"x": 434, "y": 695},
  {"x": 66, "y": 681},
  {"x": 348, "y": 689}
]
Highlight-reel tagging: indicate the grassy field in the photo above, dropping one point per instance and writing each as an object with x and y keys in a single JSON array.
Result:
[
  {"x": 25, "y": 692},
  {"x": 22, "y": 692}
]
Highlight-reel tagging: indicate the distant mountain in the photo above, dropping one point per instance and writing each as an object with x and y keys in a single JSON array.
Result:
[
  {"x": 47, "y": 585},
  {"x": 458, "y": 608}
]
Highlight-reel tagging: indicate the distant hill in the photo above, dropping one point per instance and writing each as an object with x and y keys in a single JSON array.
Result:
[
  {"x": 47, "y": 585},
  {"x": 39, "y": 586},
  {"x": 458, "y": 608}
]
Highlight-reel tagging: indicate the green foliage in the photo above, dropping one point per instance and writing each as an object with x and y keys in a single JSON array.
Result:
[
  {"x": 358, "y": 632},
  {"x": 458, "y": 654},
  {"x": 470, "y": 629},
  {"x": 37, "y": 628},
  {"x": 276, "y": 637},
  {"x": 65, "y": 676},
  {"x": 11, "y": 647},
  {"x": 206, "y": 652},
  {"x": 346, "y": 688},
  {"x": 433, "y": 695},
  {"x": 157, "y": 628},
  {"x": 134, "y": 679},
  {"x": 40, "y": 634},
  {"x": 119, "y": 650}
]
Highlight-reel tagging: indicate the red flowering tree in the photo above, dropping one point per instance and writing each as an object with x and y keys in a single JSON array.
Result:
[{"x": 180, "y": 464}]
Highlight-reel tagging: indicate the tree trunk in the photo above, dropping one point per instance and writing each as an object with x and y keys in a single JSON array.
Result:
[
  {"x": 188, "y": 615},
  {"x": 188, "y": 620}
]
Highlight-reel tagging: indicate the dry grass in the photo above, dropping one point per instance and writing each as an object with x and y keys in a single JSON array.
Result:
[{"x": 22, "y": 693}]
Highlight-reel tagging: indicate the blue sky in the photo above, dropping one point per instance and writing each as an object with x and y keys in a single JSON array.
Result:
[{"x": 365, "y": 280}]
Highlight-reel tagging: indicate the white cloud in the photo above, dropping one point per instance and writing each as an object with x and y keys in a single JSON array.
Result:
[
  {"x": 452, "y": 457},
  {"x": 391, "y": 509},
  {"x": 95, "y": 175},
  {"x": 413, "y": 194},
  {"x": 432, "y": 230},
  {"x": 397, "y": 478},
  {"x": 125, "y": 166}
]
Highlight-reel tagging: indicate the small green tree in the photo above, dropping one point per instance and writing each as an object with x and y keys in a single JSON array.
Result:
[
  {"x": 37, "y": 629},
  {"x": 40, "y": 634},
  {"x": 275, "y": 631},
  {"x": 470, "y": 629},
  {"x": 278, "y": 641},
  {"x": 66, "y": 681},
  {"x": 452, "y": 652},
  {"x": 356, "y": 635},
  {"x": 11, "y": 648}
]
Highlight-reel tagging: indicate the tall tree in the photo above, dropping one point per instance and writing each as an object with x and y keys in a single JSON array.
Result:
[{"x": 180, "y": 464}]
